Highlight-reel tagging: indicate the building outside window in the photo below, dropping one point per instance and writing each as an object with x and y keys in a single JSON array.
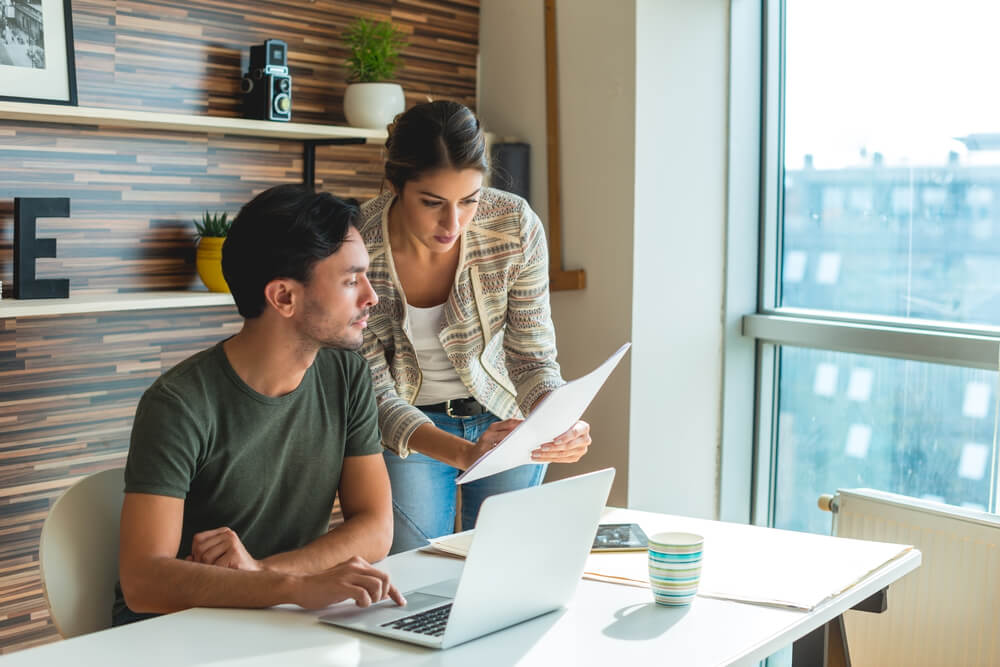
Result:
[{"x": 880, "y": 260}]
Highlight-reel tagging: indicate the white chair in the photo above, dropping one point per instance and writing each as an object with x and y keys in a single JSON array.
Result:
[{"x": 78, "y": 553}]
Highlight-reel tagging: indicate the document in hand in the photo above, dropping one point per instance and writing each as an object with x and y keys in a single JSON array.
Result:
[{"x": 553, "y": 417}]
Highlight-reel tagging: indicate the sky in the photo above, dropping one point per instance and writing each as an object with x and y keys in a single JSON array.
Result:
[{"x": 903, "y": 78}]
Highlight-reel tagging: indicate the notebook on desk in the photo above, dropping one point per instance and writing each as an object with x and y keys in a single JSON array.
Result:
[{"x": 543, "y": 534}]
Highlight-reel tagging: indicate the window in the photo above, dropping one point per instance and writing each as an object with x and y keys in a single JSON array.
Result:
[
  {"x": 891, "y": 160},
  {"x": 852, "y": 421},
  {"x": 879, "y": 307}
]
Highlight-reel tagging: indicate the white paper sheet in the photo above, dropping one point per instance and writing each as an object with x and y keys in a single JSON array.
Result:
[
  {"x": 754, "y": 564},
  {"x": 553, "y": 417}
]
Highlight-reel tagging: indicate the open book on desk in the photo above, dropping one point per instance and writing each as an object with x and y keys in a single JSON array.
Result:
[{"x": 551, "y": 418}]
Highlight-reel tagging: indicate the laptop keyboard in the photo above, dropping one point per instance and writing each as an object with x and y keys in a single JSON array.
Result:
[{"x": 430, "y": 622}]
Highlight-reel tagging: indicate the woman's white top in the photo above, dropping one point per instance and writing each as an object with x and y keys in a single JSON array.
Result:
[{"x": 440, "y": 379}]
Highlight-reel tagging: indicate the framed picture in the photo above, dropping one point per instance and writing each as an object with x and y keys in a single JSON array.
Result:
[{"x": 36, "y": 51}]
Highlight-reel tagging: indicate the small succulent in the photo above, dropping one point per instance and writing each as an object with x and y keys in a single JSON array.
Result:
[
  {"x": 375, "y": 47},
  {"x": 213, "y": 224}
]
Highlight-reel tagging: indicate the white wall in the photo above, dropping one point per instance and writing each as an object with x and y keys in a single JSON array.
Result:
[
  {"x": 643, "y": 193},
  {"x": 680, "y": 215},
  {"x": 596, "y": 90},
  {"x": 597, "y": 108},
  {"x": 511, "y": 83}
]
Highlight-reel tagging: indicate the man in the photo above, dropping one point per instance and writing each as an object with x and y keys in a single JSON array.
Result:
[{"x": 237, "y": 452}]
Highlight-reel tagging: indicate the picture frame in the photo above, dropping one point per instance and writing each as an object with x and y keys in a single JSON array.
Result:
[{"x": 37, "y": 59}]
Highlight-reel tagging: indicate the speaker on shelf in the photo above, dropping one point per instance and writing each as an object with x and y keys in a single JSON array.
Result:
[
  {"x": 267, "y": 85},
  {"x": 512, "y": 168}
]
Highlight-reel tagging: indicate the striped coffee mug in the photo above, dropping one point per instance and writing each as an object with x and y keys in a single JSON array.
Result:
[{"x": 675, "y": 567}]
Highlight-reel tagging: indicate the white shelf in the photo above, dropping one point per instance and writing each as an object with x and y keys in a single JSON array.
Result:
[
  {"x": 103, "y": 303},
  {"x": 171, "y": 122},
  {"x": 175, "y": 122}
]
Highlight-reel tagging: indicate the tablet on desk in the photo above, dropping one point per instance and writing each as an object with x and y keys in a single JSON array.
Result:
[{"x": 620, "y": 537}]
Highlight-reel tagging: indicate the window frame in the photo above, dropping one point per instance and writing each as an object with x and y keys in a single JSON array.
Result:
[{"x": 771, "y": 326}]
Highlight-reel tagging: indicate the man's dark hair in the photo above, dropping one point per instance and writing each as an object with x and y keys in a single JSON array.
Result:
[{"x": 282, "y": 233}]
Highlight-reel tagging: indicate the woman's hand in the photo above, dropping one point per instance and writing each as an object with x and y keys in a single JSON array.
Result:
[
  {"x": 489, "y": 439},
  {"x": 567, "y": 448}
]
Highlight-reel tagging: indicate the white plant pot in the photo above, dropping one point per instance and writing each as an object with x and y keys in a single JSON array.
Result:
[{"x": 373, "y": 105}]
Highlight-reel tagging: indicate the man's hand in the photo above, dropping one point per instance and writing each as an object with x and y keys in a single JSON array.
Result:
[
  {"x": 222, "y": 547},
  {"x": 567, "y": 448},
  {"x": 489, "y": 439},
  {"x": 353, "y": 579}
]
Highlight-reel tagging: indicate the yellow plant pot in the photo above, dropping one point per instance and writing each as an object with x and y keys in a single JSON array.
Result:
[{"x": 208, "y": 259}]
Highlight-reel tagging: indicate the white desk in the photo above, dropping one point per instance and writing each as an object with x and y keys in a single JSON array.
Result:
[{"x": 604, "y": 624}]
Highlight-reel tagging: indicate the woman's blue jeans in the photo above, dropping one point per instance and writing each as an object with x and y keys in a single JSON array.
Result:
[{"x": 424, "y": 493}]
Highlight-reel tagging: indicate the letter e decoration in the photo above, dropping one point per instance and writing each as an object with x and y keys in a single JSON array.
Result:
[{"x": 27, "y": 248}]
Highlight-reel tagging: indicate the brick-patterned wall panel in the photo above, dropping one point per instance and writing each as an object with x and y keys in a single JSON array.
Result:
[
  {"x": 134, "y": 192},
  {"x": 68, "y": 389},
  {"x": 133, "y": 196},
  {"x": 189, "y": 55}
]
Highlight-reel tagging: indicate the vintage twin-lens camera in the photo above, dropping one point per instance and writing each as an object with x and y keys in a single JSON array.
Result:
[{"x": 267, "y": 86}]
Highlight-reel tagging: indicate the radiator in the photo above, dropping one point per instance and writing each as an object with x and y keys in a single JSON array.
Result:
[{"x": 947, "y": 612}]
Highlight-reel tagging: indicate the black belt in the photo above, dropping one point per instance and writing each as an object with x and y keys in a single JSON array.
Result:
[{"x": 457, "y": 407}]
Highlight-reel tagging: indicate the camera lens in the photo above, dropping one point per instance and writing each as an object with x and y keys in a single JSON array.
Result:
[
  {"x": 282, "y": 103},
  {"x": 283, "y": 85}
]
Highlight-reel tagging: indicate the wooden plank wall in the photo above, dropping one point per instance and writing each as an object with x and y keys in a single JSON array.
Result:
[
  {"x": 134, "y": 193},
  {"x": 68, "y": 390},
  {"x": 69, "y": 384}
]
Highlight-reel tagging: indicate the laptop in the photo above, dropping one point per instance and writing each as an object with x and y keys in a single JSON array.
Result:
[{"x": 526, "y": 559}]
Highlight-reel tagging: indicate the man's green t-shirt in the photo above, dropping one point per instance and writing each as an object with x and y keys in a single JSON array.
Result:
[{"x": 268, "y": 468}]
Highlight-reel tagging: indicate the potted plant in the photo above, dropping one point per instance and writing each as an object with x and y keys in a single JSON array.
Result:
[
  {"x": 369, "y": 100},
  {"x": 212, "y": 231}
]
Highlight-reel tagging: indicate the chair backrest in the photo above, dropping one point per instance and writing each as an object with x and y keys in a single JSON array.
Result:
[{"x": 78, "y": 553}]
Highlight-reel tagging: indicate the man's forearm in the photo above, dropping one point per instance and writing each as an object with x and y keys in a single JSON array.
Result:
[
  {"x": 365, "y": 534},
  {"x": 162, "y": 585}
]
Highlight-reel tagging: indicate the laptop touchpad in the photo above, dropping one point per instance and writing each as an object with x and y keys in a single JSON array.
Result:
[
  {"x": 445, "y": 589},
  {"x": 382, "y": 612},
  {"x": 420, "y": 600}
]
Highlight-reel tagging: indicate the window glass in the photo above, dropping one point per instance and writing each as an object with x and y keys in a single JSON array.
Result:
[
  {"x": 891, "y": 202},
  {"x": 853, "y": 421}
]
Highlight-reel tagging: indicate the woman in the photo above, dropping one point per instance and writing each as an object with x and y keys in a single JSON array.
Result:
[{"x": 461, "y": 342}]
